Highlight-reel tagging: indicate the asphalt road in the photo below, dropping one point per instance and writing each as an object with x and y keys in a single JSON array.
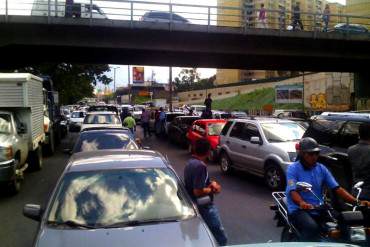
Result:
[{"x": 243, "y": 203}]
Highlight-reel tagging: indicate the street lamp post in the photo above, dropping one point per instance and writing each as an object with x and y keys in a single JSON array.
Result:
[{"x": 114, "y": 79}]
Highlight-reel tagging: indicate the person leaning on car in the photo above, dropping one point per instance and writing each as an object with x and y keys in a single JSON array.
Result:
[
  {"x": 198, "y": 184},
  {"x": 359, "y": 158},
  {"x": 301, "y": 204}
]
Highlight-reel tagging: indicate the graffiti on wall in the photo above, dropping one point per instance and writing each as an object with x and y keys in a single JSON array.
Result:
[{"x": 318, "y": 101}]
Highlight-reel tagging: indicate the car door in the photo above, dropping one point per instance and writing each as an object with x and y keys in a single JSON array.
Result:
[
  {"x": 237, "y": 146},
  {"x": 253, "y": 153},
  {"x": 21, "y": 139}
]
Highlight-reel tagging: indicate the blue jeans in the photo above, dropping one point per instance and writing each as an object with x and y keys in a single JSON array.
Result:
[
  {"x": 308, "y": 225},
  {"x": 212, "y": 218}
]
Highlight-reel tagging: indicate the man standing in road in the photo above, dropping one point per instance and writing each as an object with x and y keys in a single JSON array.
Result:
[
  {"x": 198, "y": 184},
  {"x": 359, "y": 158},
  {"x": 145, "y": 117},
  {"x": 130, "y": 123},
  {"x": 208, "y": 102}
]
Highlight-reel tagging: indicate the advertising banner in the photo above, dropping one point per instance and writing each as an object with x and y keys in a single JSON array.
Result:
[
  {"x": 289, "y": 94},
  {"x": 138, "y": 75}
]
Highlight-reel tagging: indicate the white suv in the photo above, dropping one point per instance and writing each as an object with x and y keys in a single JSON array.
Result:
[{"x": 261, "y": 146}]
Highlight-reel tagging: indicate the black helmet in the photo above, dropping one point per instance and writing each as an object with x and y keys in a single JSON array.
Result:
[{"x": 308, "y": 144}]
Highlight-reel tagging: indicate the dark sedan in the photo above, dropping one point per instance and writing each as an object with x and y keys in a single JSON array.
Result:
[
  {"x": 178, "y": 129},
  {"x": 102, "y": 139},
  {"x": 350, "y": 28}
]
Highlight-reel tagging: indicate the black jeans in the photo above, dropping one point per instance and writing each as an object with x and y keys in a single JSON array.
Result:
[
  {"x": 308, "y": 225},
  {"x": 145, "y": 126}
]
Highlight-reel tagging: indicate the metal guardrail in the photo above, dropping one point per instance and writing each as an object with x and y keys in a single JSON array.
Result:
[{"x": 245, "y": 16}]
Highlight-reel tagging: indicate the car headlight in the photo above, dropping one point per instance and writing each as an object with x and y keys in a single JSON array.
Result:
[
  {"x": 7, "y": 152},
  {"x": 292, "y": 156},
  {"x": 357, "y": 234}
]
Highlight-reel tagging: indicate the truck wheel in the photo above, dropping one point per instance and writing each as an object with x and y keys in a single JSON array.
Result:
[
  {"x": 50, "y": 148},
  {"x": 15, "y": 185},
  {"x": 35, "y": 159}
]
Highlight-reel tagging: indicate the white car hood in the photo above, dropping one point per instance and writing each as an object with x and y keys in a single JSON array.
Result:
[
  {"x": 84, "y": 126},
  {"x": 185, "y": 233},
  {"x": 77, "y": 120}
]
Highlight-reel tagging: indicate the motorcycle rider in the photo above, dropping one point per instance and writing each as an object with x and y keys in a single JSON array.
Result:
[{"x": 301, "y": 204}]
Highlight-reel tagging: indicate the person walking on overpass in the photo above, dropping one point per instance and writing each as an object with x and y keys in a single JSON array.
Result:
[
  {"x": 326, "y": 17},
  {"x": 297, "y": 17},
  {"x": 208, "y": 102},
  {"x": 262, "y": 17}
]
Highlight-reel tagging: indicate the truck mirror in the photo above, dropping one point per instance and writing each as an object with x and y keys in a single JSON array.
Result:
[{"x": 22, "y": 129}]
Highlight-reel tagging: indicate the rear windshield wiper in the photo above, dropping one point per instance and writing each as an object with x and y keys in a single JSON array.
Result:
[
  {"x": 141, "y": 222},
  {"x": 70, "y": 223}
]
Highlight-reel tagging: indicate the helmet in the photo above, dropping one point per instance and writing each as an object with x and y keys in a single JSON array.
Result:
[{"x": 308, "y": 144}]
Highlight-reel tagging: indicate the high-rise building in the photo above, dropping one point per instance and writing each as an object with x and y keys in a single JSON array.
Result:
[{"x": 360, "y": 8}]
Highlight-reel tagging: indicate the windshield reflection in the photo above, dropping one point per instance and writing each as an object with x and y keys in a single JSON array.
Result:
[
  {"x": 108, "y": 197},
  {"x": 282, "y": 132}
]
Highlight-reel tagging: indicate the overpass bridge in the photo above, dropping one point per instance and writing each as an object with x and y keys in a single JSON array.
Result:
[{"x": 120, "y": 35}]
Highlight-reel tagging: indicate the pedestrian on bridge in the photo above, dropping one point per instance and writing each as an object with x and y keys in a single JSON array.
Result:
[
  {"x": 326, "y": 17},
  {"x": 208, "y": 102},
  {"x": 297, "y": 17},
  {"x": 262, "y": 17}
]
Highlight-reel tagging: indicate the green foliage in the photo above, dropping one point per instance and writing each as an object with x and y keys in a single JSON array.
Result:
[
  {"x": 72, "y": 81},
  {"x": 139, "y": 100},
  {"x": 253, "y": 100}
]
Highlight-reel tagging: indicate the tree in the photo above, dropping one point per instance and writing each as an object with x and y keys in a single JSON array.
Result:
[
  {"x": 72, "y": 81},
  {"x": 187, "y": 78}
]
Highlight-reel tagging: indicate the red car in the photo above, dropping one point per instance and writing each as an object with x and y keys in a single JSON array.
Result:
[{"x": 209, "y": 129}]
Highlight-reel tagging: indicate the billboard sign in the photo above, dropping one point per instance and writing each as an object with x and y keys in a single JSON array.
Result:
[
  {"x": 138, "y": 75},
  {"x": 289, "y": 94}
]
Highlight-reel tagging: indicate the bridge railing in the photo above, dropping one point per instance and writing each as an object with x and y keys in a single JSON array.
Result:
[{"x": 231, "y": 14}]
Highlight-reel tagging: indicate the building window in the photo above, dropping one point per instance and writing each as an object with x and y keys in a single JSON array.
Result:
[
  {"x": 189, "y": 95},
  {"x": 200, "y": 94},
  {"x": 227, "y": 92},
  {"x": 220, "y": 93}
]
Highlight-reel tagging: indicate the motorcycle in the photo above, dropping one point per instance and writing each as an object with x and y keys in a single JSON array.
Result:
[{"x": 344, "y": 227}]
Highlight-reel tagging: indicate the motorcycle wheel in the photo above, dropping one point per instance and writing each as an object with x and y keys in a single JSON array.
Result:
[{"x": 287, "y": 236}]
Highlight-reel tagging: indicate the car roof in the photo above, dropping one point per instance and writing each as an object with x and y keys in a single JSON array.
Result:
[
  {"x": 115, "y": 159},
  {"x": 262, "y": 120},
  {"x": 342, "y": 118},
  {"x": 101, "y": 113},
  {"x": 122, "y": 130},
  {"x": 211, "y": 121}
]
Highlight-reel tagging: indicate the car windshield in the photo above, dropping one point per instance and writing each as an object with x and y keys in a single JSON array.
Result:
[
  {"x": 101, "y": 119},
  {"x": 77, "y": 115},
  {"x": 282, "y": 132},
  {"x": 98, "y": 141},
  {"x": 4, "y": 123},
  {"x": 214, "y": 129},
  {"x": 118, "y": 197},
  {"x": 170, "y": 117}
]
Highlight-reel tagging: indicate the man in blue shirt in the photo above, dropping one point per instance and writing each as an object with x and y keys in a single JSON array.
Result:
[
  {"x": 301, "y": 203},
  {"x": 198, "y": 184}
]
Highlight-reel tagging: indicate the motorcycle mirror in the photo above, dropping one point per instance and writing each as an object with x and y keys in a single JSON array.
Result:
[
  {"x": 303, "y": 186},
  {"x": 358, "y": 184}
]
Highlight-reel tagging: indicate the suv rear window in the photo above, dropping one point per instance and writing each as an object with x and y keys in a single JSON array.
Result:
[{"x": 226, "y": 128}]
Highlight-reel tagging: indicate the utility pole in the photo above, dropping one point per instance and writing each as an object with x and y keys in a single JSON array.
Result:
[
  {"x": 114, "y": 81},
  {"x": 129, "y": 86},
  {"x": 170, "y": 83},
  {"x": 303, "y": 91}
]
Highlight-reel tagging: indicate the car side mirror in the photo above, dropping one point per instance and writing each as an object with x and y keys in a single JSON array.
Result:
[
  {"x": 204, "y": 201},
  {"x": 32, "y": 211},
  {"x": 67, "y": 151},
  {"x": 256, "y": 140},
  {"x": 304, "y": 186},
  {"x": 22, "y": 129}
]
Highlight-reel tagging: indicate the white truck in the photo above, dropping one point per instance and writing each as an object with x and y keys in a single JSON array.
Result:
[
  {"x": 21, "y": 127},
  {"x": 67, "y": 8}
]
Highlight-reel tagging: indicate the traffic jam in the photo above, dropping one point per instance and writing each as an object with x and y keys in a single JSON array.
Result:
[{"x": 117, "y": 190}]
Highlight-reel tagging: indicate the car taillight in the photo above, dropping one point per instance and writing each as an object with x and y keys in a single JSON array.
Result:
[
  {"x": 8, "y": 152},
  {"x": 46, "y": 127}
]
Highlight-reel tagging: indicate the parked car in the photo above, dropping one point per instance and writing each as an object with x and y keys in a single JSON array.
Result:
[
  {"x": 162, "y": 16},
  {"x": 179, "y": 127},
  {"x": 209, "y": 129},
  {"x": 170, "y": 116},
  {"x": 261, "y": 146},
  {"x": 101, "y": 119},
  {"x": 104, "y": 108},
  {"x": 102, "y": 139},
  {"x": 76, "y": 120},
  {"x": 220, "y": 115},
  {"x": 336, "y": 132},
  {"x": 290, "y": 114},
  {"x": 238, "y": 114},
  {"x": 115, "y": 197},
  {"x": 197, "y": 109},
  {"x": 350, "y": 28}
]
